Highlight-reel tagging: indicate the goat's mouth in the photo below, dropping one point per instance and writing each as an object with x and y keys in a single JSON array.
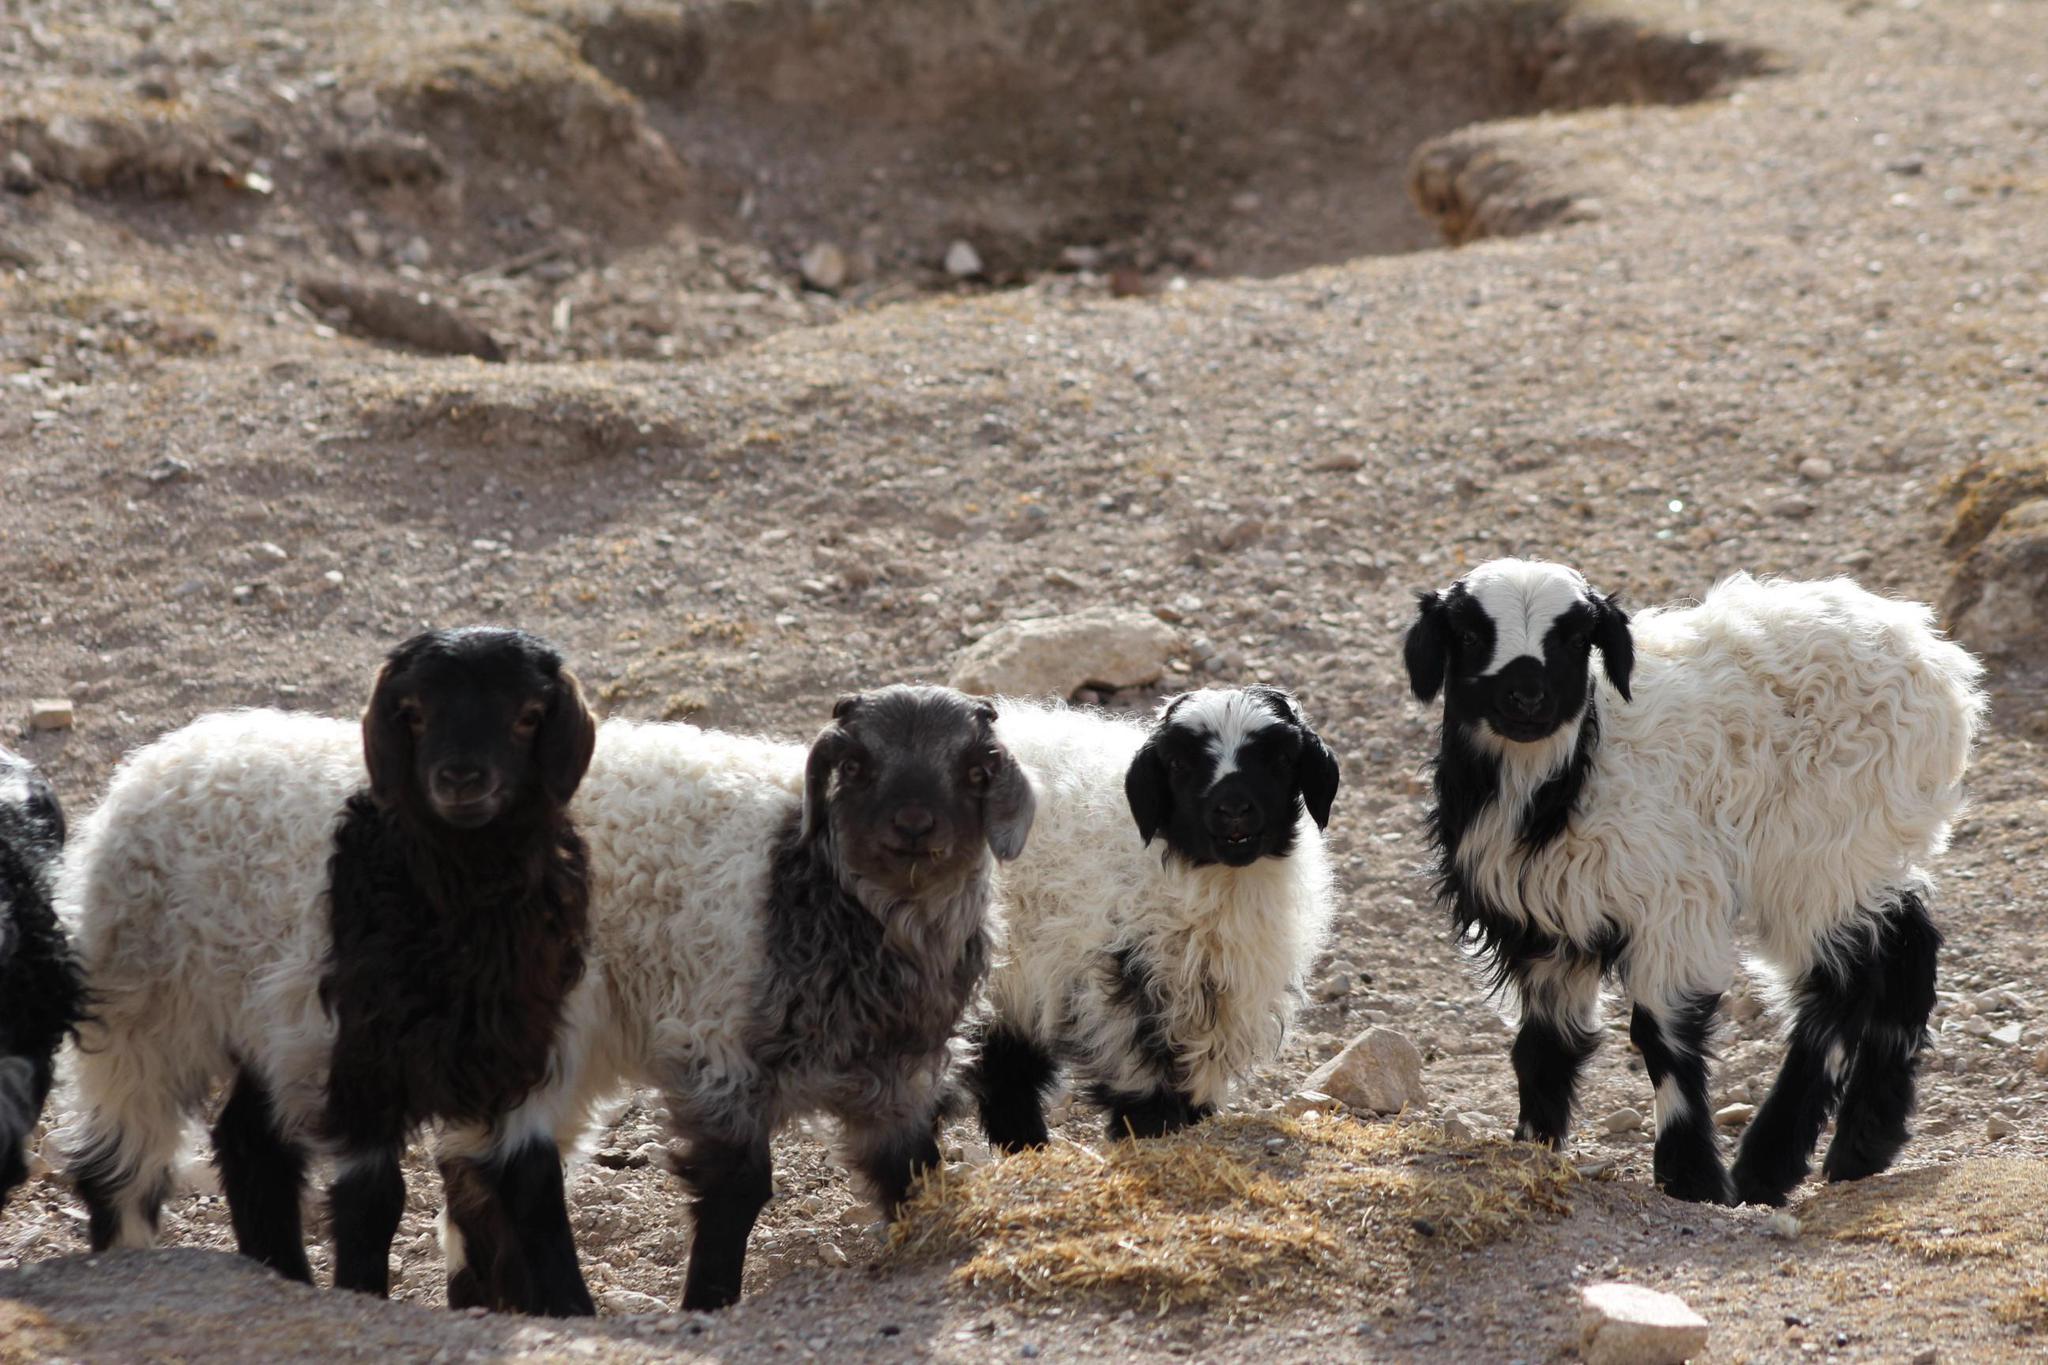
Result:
[
  {"x": 471, "y": 812},
  {"x": 1239, "y": 849},
  {"x": 1518, "y": 730}
]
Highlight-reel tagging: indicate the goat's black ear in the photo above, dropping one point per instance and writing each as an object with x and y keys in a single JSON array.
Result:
[
  {"x": 1009, "y": 807},
  {"x": 825, "y": 755},
  {"x": 1616, "y": 645},
  {"x": 387, "y": 736},
  {"x": 843, "y": 707},
  {"x": 568, "y": 736},
  {"x": 1315, "y": 774},
  {"x": 1427, "y": 650},
  {"x": 1148, "y": 791}
]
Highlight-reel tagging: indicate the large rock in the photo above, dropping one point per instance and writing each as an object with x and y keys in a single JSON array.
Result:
[
  {"x": 1055, "y": 656},
  {"x": 1379, "y": 1071},
  {"x": 1998, "y": 603},
  {"x": 1626, "y": 1324}
]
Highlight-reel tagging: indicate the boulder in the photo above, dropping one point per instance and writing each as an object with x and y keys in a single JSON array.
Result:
[
  {"x": 1379, "y": 1072},
  {"x": 1627, "y": 1324},
  {"x": 1056, "y": 656}
]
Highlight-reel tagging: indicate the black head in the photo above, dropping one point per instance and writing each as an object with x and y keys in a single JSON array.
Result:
[
  {"x": 1509, "y": 645},
  {"x": 910, "y": 784},
  {"x": 31, "y": 821},
  {"x": 464, "y": 725},
  {"x": 1225, "y": 776}
]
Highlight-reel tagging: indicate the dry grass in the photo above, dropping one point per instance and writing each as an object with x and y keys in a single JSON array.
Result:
[{"x": 1238, "y": 1208}]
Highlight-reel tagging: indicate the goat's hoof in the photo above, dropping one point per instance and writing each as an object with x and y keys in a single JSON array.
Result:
[{"x": 1699, "y": 1187}]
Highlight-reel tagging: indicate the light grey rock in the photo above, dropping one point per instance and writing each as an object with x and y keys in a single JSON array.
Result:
[
  {"x": 962, "y": 260},
  {"x": 1622, "y": 1121},
  {"x": 1379, "y": 1072},
  {"x": 1106, "y": 648},
  {"x": 823, "y": 267},
  {"x": 1627, "y": 1324}
]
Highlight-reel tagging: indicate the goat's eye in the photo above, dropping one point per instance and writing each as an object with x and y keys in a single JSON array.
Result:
[
  {"x": 529, "y": 720},
  {"x": 977, "y": 776},
  {"x": 1469, "y": 638},
  {"x": 850, "y": 769},
  {"x": 408, "y": 711}
]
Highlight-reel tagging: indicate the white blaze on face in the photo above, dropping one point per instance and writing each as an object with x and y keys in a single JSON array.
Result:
[
  {"x": 1523, "y": 598},
  {"x": 1226, "y": 719}
]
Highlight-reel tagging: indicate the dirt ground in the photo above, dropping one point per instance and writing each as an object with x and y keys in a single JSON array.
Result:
[{"x": 1743, "y": 281}]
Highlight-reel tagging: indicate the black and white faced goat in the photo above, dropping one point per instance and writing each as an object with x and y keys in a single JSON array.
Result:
[
  {"x": 372, "y": 927},
  {"x": 41, "y": 997},
  {"x": 778, "y": 933},
  {"x": 1785, "y": 753},
  {"x": 1163, "y": 962}
]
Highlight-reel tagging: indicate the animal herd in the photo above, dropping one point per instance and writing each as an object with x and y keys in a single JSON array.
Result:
[{"x": 480, "y": 911}]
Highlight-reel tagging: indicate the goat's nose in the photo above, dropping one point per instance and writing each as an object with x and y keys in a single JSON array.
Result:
[
  {"x": 913, "y": 821},
  {"x": 459, "y": 777},
  {"x": 1527, "y": 699}
]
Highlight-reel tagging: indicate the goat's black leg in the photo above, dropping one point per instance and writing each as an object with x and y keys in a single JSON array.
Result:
[
  {"x": 891, "y": 1156},
  {"x": 1150, "y": 1115},
  {"x": 366, "y": 1202},
  {"x": 1674, "y": 1042},
  {"x": 1878, "y": 1099},
  {"x": 531, "y": 1184},
  {"x": 263, "y": 1175},
  {"x": 485, "y": 1269},
  {"x": 1009, "y": 1078},
  {"x": 1560, "y": 999},
  {"x": 731, "y": 1182},
  {"x": 1828, "y": 1005}
]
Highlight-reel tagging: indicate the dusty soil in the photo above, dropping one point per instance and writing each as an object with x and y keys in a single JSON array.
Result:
[{"x": 1214, "y": 364}]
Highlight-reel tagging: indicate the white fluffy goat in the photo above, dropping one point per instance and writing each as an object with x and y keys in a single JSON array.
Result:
[
  {"x": 1163, "y": 919},
  {"x": 1786, "y": 753}
]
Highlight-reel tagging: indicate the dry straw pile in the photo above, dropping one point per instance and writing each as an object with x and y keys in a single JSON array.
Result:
[{"x": 1241, "y": 1212}]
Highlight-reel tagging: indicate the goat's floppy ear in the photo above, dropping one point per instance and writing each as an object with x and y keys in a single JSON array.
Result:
[
  {"x": 387, "y": 737},
  {"x": 825, "y": 755},
  {"x": 1315, "y": 774},
  {"x": 568, "y": 735},
  {"x": 1616, "y": 645},
  {"x": 1009, "y": 806},
  {"x": 1427, "y": 651},
  {"x": 1147, "y": 790}
]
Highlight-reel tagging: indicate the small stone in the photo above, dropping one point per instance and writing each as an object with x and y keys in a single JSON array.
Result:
[
  {"x": 1379, "y": 1072},
  {"x": 823, "y": 267},
  {"x": 1081, "y": 257},
  {"x": 1734, "y": 1115},
  {"x": 1627, "y": 1324},
  {"x": 829, "y": 1253},
  {"x": 2041, "y": 1062},
  {"x": 1336, "y": 988},
  {"x": 1457, "y": 1128},
  {"x": 962, "y": 260},
  {"x": 169, "y": 469},
  {"x": 1816, "y": 469},
  {"x": 50, "y": 713},
  {"x": 1745, "y": 1008},
  {"x": 271, "y": 550},
  {"x": 1783, "y": 1226},
  {"x": 244, "y": 594},
  {"x": 1622, "y": 1121},
  {"x": 18, "y": 174},
  {"x": 631, "y": 1301},
  {"x": 1301, "y": 1101},
  {"x": 1792, "y": 507},
  {"x": 358, "y": 105},
  {"x": 1999, "y": 1126},
  {"x": 2009, "y": 1035},
  {"x": 1927, "y": 1356}
]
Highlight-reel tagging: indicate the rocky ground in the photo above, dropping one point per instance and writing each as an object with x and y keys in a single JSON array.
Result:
[{"x": 1744, "y": 285}]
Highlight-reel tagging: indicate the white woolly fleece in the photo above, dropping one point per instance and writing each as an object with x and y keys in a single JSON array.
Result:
[{"x": 1234, "y": 944}]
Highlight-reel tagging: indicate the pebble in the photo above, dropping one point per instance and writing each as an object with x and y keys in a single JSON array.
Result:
[
  {"x": 823, "y": 267},
  {"x": 2041, "y": 1062},
  {"x": 1627, "y": 1324},
  {"x": 1734, "y": 1115},
  {"x": 1622, "y": 1121},
  {"x": 2009, "y": 1035},
  {"x": 50, "y": 713},
  {"x": 830, "y": 1254},
  {"x": 18, "y": 174},
  {"x": 631, "y": 1301},
  {"x": 1783, "y": 1226},
  {"x": 1999, "y": 1126},
  {"x": 1792, "y": 507},
  {"x": 1054, "y": 655},
  {"x": 1815, "y": 469},
  {"x": 169, "y": 469},
  {"x": 1302, "y": 1101},
  {"x": 962, "y": 260},
  {"x": 1459, "y": 1128}
]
